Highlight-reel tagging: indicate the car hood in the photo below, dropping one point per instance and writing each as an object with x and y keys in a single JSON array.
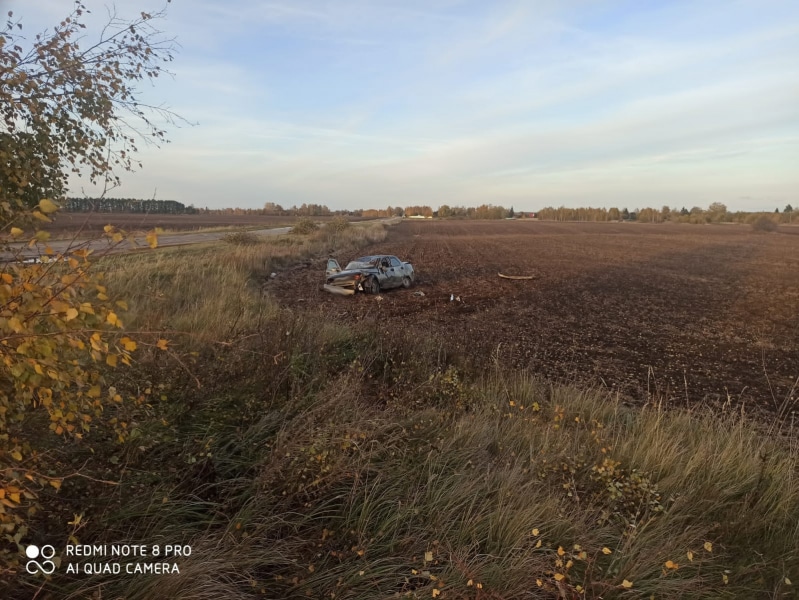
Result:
[{"x": 350, "y": 273}]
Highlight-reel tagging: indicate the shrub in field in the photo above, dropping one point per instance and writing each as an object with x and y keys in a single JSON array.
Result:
[
  {"x": 764, "y": 224},
  {"x": 304, "y": 226},
  {"x": 241, "y": 238},
  {"x": 337, "y": 225}
]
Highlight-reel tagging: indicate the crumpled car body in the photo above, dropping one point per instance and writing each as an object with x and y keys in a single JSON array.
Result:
[{"x": 370, "y": 274}]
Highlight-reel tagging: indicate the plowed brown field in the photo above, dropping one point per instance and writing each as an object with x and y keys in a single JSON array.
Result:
[{"x": 686, "y": 313}]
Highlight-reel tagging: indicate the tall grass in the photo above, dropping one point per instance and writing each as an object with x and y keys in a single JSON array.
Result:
[
  {"x": 331, "y": 494},
  {"x": 212, "y": 293},
  {"x": 318, "y": 461}
]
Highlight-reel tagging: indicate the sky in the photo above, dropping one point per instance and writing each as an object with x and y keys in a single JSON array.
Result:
[{"x": 524, "y": 103}]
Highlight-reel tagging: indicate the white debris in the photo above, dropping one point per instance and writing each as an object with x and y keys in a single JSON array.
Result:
[
  {"x": 273, "y": 275},
  {"x": 451, "y": 297}
]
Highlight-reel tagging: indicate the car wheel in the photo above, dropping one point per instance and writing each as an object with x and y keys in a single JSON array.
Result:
[
  {"x": 374, "y": 286},
  {"x": 406, "y": 282}
]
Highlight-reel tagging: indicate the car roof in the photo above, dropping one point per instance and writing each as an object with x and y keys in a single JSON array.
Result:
[{"x": 372, "y": 257}]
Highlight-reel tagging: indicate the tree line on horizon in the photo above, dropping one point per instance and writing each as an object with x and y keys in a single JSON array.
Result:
[
  {"x": 717, "y": 212},
  {"x": 126, "y": 205}
]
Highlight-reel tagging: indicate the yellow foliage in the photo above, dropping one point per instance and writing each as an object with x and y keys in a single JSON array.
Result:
[
  {"x": 47, "y": 206},
  {"x": 626, "y": 584}
]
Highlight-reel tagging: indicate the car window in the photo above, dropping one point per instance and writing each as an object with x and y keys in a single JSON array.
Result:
[{"x": 395, "y": 262}]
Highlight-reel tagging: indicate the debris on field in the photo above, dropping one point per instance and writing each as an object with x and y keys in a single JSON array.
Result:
[
  {"x": 272, "y": 275},
  {"x": 517, "y": 276},
  {"x": 419, "y": 293}
]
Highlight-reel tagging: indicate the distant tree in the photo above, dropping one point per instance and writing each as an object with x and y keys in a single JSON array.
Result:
[
  {"x": 684, "y": 211},
  {"x": 788, "y": 208},
  {"x": 777, "y": 211},
  {"x": 511, "y": 213},
  {"x": 717, "y": 211},
  {"x": 625, "y": 214},
  {"x": 614, "y": 214}
]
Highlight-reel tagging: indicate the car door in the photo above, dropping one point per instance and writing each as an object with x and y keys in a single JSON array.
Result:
[
  {"x": 332, "y": 267},
  {"x": 397, "y": 272},
  {"x": 386, "y": 276}
]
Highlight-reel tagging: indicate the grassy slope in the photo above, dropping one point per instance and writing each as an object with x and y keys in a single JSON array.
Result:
[{"x": 315, "y": 461}]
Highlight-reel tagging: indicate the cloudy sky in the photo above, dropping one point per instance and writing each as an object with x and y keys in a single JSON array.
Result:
[{"x": 368, "y": 103}]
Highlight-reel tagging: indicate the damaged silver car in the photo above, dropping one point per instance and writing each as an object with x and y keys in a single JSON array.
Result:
[{"x": 369, "y": 274}]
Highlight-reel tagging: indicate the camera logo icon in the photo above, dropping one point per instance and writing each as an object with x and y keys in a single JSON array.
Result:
[{"x": 33, "y": 566}]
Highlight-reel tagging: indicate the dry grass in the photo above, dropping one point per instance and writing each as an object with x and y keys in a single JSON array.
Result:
[
  {"x": 212, "y": 292},
  {"x": 319, "y": 461}
]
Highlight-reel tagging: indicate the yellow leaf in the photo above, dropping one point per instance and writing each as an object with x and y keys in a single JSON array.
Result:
[
  {"x": 94, "y": 392},
  {"x": 436, "y": 593},
  {"x": 787, "y": 581},
  {"x": 14, "y": 497},
  {"x": 561, "y": 551},
  {"x": 690, "y": 555},
  {"x": 112, "y": 318},
  {"x": 102, "y": 296},
  {"x": 162, "y": 345},
  {"x": 539, "y": 583},
  {"x": 56, "y": 483},
  {"x": 71, "y": 314},
  {"x": 559, "y": 577},
  {"x": 122, "y": 304},
  {"x": 672, "y": 565},
  {"x": 40, "y": 215},
  {"x": 469, "y": 583},
  {"x": 535, "y": 531},
  {"x": 606, "y": 550},
  {"x": 47, "y": 206},
  {"x": 16, "y": 232},
  {"x": 626, "y": 584},
  {"x": 152, "y": 239},
  {"x": 109, "y": 228},
  {"x": 7, "y": 278},
  {"x": 709, "y": 546},
  {"x": 128, "y": 344},
  {"x": 16, "y": 455},
  {"x": 538, "y": 544},
  {"x": 428, "y": 556},
  {"x": 111, "y": 360},
  {"x": 117, "y": 237},
  {"x": 725, "y": 579}
]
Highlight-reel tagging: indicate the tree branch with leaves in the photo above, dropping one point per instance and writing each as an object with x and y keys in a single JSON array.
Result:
[{"x": 68, "y": 105}]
